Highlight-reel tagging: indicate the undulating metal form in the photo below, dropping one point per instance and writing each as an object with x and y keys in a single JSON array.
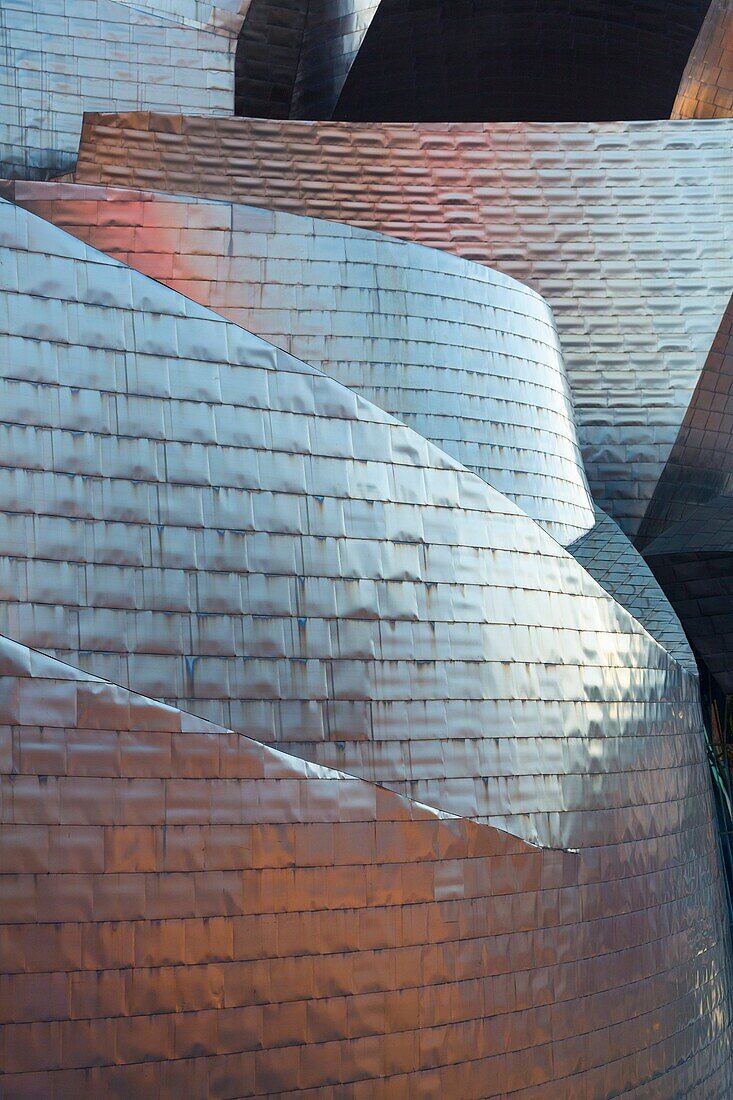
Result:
[
  {"x": 293, "y": 56},
  {"x": 706, "y": 89},
  {"x": 535, "y": 60},
  {"x": 187, "y": 912},
  {"x": 205, "y": 519},
  {"x": 60, "y": 58},
  {"x": 412, "y": 801},
  {"x": 467, "y": 357},
  {"x": 626, "y": 230}
]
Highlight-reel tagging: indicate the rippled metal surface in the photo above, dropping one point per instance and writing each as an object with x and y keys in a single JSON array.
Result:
[
  {"x": 193, "y": 513},
  {"x": 625, "y": 228},
  {"x": 467, "y": 357},
  {"x": 59, "y": 58},
  {"x": 188, "y": 912},
  {"x": 618, "y": 567},
  {"x": 706, "y": 88},
  {"x": 207, "y": 520}
]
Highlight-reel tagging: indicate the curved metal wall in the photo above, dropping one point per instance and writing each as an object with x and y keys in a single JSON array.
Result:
[
  {"x": 706, "y": 88},
  {"x": 293, "y": 56},
  {"x": 700, "y": 465},
  {"x": 188, "y": 912},
  {"x": 268, "y": 51},
  {"x": 333, "y": 38},
  {"x": 209, "y": 521},
  {"x": 625, "y": 229},
  {"x": 465, "y": 356},
  {"x": 60, "y": 58},
  {"x": 618, "y": 567},
  {"x": 193, "y": 512}
]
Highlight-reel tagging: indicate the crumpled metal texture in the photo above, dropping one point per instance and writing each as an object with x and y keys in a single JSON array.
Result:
[
  {"x": 466, "y": 356},
  {"x": 294, "y": 55},
  {"x": 618, "y": 567},
  {"x": 626, "y": 229},
  {"x": 201, "y": 517},
  {"x": 706, "y": 88},
  {"x": 60, "y": 58},
  {"x": 186, "y": 912}
]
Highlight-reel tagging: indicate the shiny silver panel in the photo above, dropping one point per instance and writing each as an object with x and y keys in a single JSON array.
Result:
[
  {"x": 206, "y": 519},
  {"x": 467, "y": 357},
  {"x": 626, "y": 229},
  {"x": 59, "y": 58}
]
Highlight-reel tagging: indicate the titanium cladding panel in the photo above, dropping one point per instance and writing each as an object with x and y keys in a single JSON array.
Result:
[
  {"x": 188, "y": 912},
  {"x": 463, "y": 841},
  {"x": 626, "y": 229},
  {"x": 208, "y": 520},
  {"x": 618, "y": 567},
  {"x": 60, "y": 58},
  {"x": 467, "y": 357}
]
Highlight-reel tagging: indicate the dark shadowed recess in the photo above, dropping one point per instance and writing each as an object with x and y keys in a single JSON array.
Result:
[
  {"x": 521, "y": 60},
  {"x": 268, "y": 52}
]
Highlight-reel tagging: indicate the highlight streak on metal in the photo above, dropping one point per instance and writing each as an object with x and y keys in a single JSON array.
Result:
[
  {"x": 465, "y": 356},
  {"x": 626, "y": 229},
  {"x": 293, "y": 56},
  {"x": 706, "y": 88}
]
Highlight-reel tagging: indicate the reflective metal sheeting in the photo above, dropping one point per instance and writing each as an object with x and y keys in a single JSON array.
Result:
[{"x": 625, "y": 228}]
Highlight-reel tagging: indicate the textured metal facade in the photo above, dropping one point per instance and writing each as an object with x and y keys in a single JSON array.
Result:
[
  {"x": 333, "y": 37},
  {"x": 618, "y": 567},
  {"x": 60, "y": 58},
  {"x": 467, "y": 357},
  {"x": 207, "y": 520},
  {"x": 189, "y": 913},
  {"x": 626, "y": 230},
  {"x": 700, "y": 466},
  {"x": 414, "y": 801},
  {"x": 706, "y": 89}
]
